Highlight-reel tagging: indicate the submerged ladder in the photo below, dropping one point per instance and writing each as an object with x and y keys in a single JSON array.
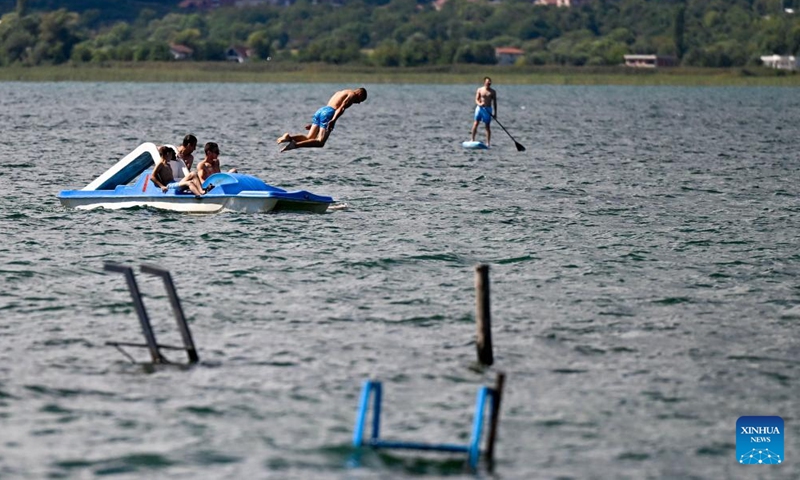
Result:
[
  {"x": 374, "y": 389},
  {"x": 147, "y": 329}
]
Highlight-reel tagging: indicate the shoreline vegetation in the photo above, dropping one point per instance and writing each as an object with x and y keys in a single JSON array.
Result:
[{"x": 273, "y": 72}]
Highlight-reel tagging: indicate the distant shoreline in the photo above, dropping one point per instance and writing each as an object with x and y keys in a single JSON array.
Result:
[{"x": 219, "y": 72}]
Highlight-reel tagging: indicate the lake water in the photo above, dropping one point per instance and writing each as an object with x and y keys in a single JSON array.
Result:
[{"x": 644, "y": 266}]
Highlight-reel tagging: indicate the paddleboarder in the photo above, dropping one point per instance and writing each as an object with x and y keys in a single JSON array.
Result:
[{"x": 486, "y": 103}]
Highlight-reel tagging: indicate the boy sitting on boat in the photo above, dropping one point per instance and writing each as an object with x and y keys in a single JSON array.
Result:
[
  {"x": 210, "y": 165},
  {"x": 164, "y": 179}
]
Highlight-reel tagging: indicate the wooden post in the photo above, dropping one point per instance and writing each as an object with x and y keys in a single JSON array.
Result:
[
  {"x": 483, "y": 315},
  {"x": 494, "y": 418}
]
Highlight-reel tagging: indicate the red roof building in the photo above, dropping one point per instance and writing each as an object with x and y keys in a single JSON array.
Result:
[
  {"x": 237, "y": 53},
  {"x": 180, "y": 52},
  {"x": 206, "y": 4},
  {"x": 560, "y": 3},
  {"x": 508, "y": 55}
]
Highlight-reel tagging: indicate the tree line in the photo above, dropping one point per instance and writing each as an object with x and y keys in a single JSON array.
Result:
[{"x": 706, "y": 33}]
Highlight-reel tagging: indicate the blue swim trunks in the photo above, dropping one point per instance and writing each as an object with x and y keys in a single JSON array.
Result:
[
  {"x": 174, "y": 186},
  {"x": 483, "y": 114},
  {"x": 323, "y": 116}
]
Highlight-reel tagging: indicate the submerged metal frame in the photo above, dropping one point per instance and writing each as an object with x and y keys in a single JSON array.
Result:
[
  {"x": 472, "y": 449},
  {"x": 147, "y": 329}
]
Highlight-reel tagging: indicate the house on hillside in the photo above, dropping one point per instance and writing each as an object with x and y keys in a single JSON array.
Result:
[
  {"x": 180, "y": 52},
  {"x": 560, "y": 3},
  {"x": 253, "y": 3},
  {"x": 237, "y": 53},
  {"x": 650, "y": 61},
  {"x": 781, "y": 62},
  {"x": 507, "y": 55},
  {"x": 205, "y": 4},
  {"x": 192, "y": 4}
]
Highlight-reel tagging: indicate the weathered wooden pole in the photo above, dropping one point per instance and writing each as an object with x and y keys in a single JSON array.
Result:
[
  {"x": 483, "y": 315},
  {"x": 494, "y": 418}
]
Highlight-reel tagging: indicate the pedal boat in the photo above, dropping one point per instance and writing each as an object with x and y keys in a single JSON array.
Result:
[{"x": 232, "y": 191}]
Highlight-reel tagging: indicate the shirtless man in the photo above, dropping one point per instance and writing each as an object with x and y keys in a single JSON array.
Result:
[
  {"x": 182, "y": 163},
  {"x": 486, "y": 100},
  {"x": 210, "y": 165},
  {"x": 185, "y": 150},
  {"x": 324, "y": 120}
]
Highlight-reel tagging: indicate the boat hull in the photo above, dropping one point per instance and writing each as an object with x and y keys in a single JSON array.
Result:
[{"x": 190, "y": 204}]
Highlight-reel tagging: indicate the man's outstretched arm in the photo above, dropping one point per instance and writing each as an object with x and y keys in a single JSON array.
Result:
[{"x": 348, "y": 100}]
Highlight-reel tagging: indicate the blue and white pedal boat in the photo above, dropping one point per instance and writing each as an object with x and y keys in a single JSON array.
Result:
[{"x": 232, "y": 191}]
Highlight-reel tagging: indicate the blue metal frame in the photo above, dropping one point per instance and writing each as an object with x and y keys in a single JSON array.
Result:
[{"x": 373, "y": 387}]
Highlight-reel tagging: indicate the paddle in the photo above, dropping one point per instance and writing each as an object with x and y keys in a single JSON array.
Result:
[{"x": 520, "y": 147}]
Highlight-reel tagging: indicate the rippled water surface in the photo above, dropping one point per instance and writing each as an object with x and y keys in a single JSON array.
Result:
[{"x": 644, "y": 264}]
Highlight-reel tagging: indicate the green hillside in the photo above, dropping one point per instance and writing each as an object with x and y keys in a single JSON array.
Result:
[
  {"x": 106, "y": 10},
  {"x": 404, "y": 33}
]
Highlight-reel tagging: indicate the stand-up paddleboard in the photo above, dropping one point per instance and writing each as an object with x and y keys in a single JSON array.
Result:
[{"x": 475, "y": 145}]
